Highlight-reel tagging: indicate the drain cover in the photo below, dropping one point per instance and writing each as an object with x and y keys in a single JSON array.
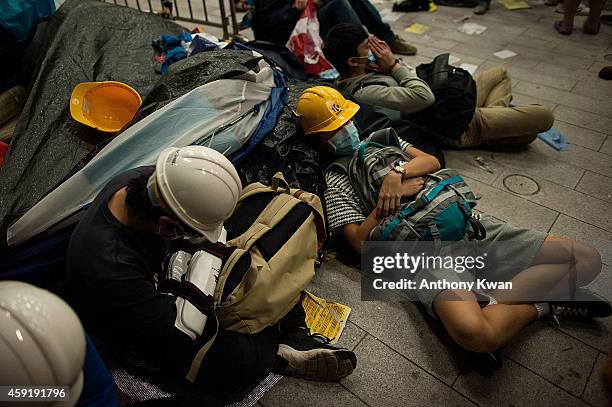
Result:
[{"x": 522, "y": 185}]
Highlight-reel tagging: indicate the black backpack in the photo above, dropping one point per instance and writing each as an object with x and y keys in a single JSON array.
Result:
[{"x": 455, "y": 92}]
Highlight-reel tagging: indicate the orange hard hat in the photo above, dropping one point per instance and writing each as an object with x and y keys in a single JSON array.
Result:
[{"x": 105, "y": 106}]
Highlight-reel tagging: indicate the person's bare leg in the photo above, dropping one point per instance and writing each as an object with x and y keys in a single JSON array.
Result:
[
  {"x": 480, "y": 329},
  {"x": 567, "y": 24},
  {"x": 548, "y": 278},
  {"x": 591, "y": 26}
]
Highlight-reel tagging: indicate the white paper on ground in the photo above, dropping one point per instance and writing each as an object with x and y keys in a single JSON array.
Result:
[
  {"x": 504, "y": 54},
  {"x": 453, "y": 59},
  {"x": 389, "y": 16},
  {"x": 471, "y": 28},
  {"x": 469, "y": 67}
]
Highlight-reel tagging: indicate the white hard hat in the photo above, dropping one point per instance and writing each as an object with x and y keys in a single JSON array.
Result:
[
  {"x": 41, "y": 340},
  {"x": 199, "y": 185}
]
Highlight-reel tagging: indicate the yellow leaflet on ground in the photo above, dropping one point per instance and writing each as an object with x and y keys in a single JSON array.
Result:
[
  {"x": 515, "y": 5},
  {"x": 416, "y": 28},
  {"x": 325, "y": 317},
  {"x": 432, "y": 7}
]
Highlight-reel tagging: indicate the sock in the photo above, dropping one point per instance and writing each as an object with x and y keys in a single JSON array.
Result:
[{"x": 542, "y": 308}]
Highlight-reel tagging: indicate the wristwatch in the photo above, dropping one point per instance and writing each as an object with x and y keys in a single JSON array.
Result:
[{"x": 399, "y": 169}]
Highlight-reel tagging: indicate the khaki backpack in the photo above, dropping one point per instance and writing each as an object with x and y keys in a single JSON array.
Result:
[{"x": 272, "y": 259}]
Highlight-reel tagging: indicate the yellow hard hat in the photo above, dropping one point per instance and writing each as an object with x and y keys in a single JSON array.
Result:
[
  {"x": 322, "y": 109},
  {"x": 105, "y": 106}
]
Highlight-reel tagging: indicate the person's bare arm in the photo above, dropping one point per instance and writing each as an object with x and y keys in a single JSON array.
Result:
[
  {"x": 357, "y": 233},
  {"x": 420, "y": 164}
]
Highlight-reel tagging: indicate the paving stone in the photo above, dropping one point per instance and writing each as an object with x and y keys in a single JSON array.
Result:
[
  {"x": 513, "y": 385},
  {"x": 463, "y": 161},
  {"x": 590, "y": 104},
  {"x": 553, "y": 56},
  {"x": 553, "y": 355},
  {"x": 584, "y": 119},
  {"x": 597, "y": 87},
  {"x": 577, "y": 156},
  {"x": 595, "y": 393},
  {"x": 485, "y": 52},
  {"x": 597, "y": 333},
  {"x": 399, "y": 324},
  {"x": 512, "y": 208},
  {"x": 351, "y": 336},
  {"x": 518, "y": 73},
  {"x": 580, "y": 136},
  {"x": 577, "y": 230},
  {"x": 295, "y": 392},
  {"x": 596, "y": 185},
  {"x": 387, "y": 379},
  {"x": 606, "y": 148},
  {"x": 561, "y": 199},
  {"x": 560, "y": 71}
]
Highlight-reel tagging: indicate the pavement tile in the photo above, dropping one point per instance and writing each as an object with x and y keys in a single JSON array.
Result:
[
  {"x": 580, "y": 136},
  {"x": 559, "y": 71},
  {"x": 295, "y": 392},
  {"x": 463, "y": 161},
  {"x": 584, "y": 119},
  {"x": 597, "y": 333},
  {"x": 513, "y": 385},
  {"x": 577, "y": 230},
  {"x": 595, "y": 392},
  {"x": 589, "y": 104},
  {"x": 351, "y": 336},
  {"x": 538, "y": 159},
  {"x": 387, "y": 379},
  {"x": 553, "y": 355},
  {"x": 552, "y": 56},
  {"x": 518, "y": 73},
  {"x": 399, "y": 324},
  {"x": 596, "y": 87},
  {"x": 577, "y": 156},
  {"x": 485, "y": 52},
  {"x": 596, "y": 185},
  {"x": 606, "y": 148},
  {"x": 512, "y": 208},
  {"x": 561, "y": 199}
]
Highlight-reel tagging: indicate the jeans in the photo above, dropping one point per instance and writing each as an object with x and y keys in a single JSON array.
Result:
[{"x": 360, "y": 12}]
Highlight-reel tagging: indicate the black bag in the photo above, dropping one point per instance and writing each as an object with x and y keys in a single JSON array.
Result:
[
  {"x": 455, "y": 92},
  {"x": 411, "y": 5}
]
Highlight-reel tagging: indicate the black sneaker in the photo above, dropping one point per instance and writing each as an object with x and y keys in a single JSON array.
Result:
[
  {"x": 587, "y": 305},
  {"x": 310, "y": 357}
]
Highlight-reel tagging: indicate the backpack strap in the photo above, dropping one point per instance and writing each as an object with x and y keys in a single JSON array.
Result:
[
  {"x": 341, "y": 164},
  {"x": 418, "y": 204},
  {"x": 199, "y": 357}
]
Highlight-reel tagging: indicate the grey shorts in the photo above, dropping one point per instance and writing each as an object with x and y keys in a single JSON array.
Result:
[{"x": 509, "y": 260}]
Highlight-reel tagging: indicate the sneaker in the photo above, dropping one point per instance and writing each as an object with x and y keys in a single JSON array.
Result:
[
  {"x": 587, "y": 305},
  {"x": 482, "y": 7},
  {"x": 310, "y": 357},
  {"x": 401, "y": 47},
  {"x": 580, "y": 11}
]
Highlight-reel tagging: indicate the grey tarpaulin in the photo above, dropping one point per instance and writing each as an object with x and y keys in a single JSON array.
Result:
[
  {"x": 48, "y": 145},
  {"x": 85, "y": 41}
]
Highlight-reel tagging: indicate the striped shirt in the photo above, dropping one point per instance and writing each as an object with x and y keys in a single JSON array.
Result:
[{"x": 342, "y": 201}]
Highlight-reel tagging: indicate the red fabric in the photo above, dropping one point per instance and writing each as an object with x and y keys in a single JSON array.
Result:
[{"x": 305, "y": 42}]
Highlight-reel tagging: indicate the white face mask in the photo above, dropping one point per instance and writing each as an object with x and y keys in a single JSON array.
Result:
[{"x": 346, "y": 140}]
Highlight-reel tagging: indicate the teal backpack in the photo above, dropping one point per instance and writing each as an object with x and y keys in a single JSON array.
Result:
[{"x": 441, "y": 211}]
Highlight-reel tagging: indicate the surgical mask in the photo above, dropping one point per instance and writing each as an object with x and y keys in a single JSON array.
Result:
[
  {"x": 371, "y": 57},
  {"x": 346, "y": 140}
]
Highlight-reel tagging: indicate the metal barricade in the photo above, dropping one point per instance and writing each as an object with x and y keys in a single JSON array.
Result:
[{"x": 196, "y": 11}]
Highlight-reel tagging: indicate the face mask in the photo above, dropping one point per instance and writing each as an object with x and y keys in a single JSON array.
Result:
[
  {"x": 371, "y": 57},
  {"x": 346, "y": 140}
]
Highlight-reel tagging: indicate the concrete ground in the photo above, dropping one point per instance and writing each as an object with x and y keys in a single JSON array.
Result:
[{"x": 404, "y": 357}]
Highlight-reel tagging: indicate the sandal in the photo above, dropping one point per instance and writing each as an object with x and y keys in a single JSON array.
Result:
[
  {"x": 561, "y": 31},
  {"x": 591, "y": 32}
]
